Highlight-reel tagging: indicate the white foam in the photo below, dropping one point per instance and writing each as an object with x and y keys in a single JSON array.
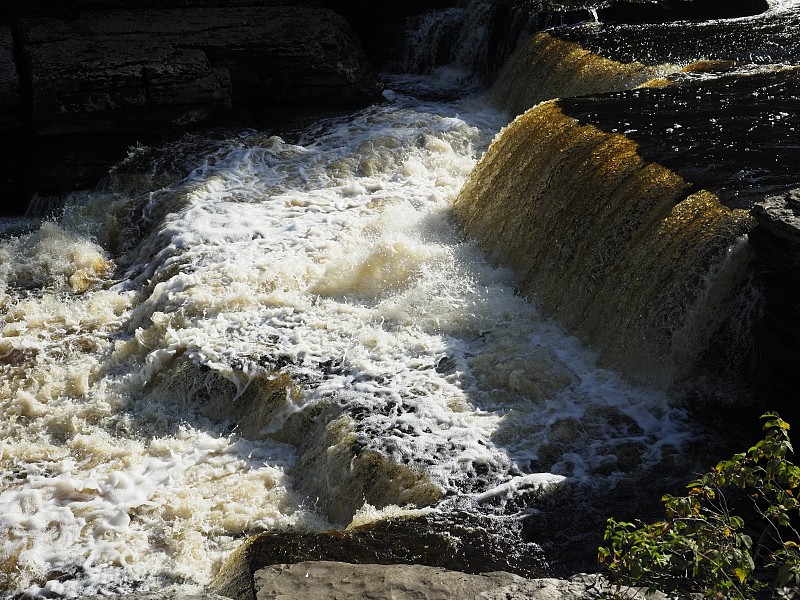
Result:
[{"x": 337, "y": 249}]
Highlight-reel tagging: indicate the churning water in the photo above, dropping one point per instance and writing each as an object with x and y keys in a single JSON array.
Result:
[{"x": 293, "y": 334}]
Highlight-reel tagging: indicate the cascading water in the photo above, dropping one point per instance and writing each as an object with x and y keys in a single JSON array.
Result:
[
  {"x": 292, "y": 335},
  {"x": 615, "y": 247},
  {"x": 291, "y": 332},
  {"x": 631, "y": 213}
]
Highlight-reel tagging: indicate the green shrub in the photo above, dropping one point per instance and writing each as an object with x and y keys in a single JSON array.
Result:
[{"x": 733, "y": 536}]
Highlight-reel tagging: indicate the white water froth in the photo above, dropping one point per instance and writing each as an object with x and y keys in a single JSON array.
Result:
[{"x": 332, "y": 262}]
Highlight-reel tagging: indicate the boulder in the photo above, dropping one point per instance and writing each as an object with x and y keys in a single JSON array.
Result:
[
  {"x": 323, "y": 580},
  {"x": 460, "y": 541}
]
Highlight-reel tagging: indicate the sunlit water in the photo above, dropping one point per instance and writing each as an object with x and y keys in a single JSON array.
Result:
[{"x": 135, "y": 328}]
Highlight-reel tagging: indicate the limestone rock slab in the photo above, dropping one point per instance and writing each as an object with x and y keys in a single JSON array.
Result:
[
  {"x": 10, "y": 97},
  {"x": 325, "y": 580}
]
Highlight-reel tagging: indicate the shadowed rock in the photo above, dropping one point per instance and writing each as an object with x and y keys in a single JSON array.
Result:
[
  {"x": 767, "y": 38},
  {"x": 141, "y": 70},
  {"x": 777, "y": 274},
  {"x": 458, "y": 541},
  {"x": 102, "y": 80},
  {"x": 11, "y": 120},
  {"x": 10, "y": 96}
]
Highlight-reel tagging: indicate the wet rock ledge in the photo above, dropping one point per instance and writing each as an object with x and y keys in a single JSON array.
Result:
[
  {"x": 323, "y": 580},
  {"x": 78, "y": 86}
]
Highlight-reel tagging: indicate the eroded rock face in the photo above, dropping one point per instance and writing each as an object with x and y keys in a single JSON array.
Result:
[
  {"x": 777, "y": 275},
  {"x": 11, "y": 120},
  {"x": 102, "y": 77}
]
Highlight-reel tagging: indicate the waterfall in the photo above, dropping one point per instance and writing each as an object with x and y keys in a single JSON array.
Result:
[
  {"x": 476, "y": 39},
  {"x": 546, "y": 67},
  {"x": 385, "y": 316},
  {"x": 430, "y": 40},
  {"x": 619, "y": 249},
  {"x": 626, "y": 215}
]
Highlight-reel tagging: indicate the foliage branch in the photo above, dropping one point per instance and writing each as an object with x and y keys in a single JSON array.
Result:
[{"x": 734, "y": 535}]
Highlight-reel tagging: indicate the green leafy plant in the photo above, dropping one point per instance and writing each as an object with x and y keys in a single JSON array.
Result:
[{"x": 733, "y": 535}]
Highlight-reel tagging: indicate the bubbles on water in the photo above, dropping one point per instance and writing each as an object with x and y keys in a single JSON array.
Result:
[{"x": 295, "y": 330}]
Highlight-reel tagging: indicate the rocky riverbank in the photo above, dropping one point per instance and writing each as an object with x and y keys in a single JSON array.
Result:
[
  {"x": 78, "y": 87},
  {"x": 81, "y": 81}
]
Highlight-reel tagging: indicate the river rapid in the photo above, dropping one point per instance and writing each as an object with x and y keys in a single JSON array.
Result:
[{"x": 271, "y": 330}]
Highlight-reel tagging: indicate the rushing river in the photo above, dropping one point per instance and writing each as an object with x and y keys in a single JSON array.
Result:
[{"x": 282, "y": 332}]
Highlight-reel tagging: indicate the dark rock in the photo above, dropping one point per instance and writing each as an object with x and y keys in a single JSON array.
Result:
[
  {"x": 10, "y": 94},
  {"x": 381, "y": 27},
  {"x": 777, "y": 277},
  {"x": 11, "y": 123},
  {"x": 458, "y": 541},
  {"x": 674, "y": 10},
  {"x": 769, "y": 38},
  {"x": 105, "y": 85},
  {"x": 73, "y": 8},
  {"x": 104, "y": 79},
  {"x": 70, "y": 162},
  {"x": 732, "y": 134},
  {"x": 197, "y": 59}
]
